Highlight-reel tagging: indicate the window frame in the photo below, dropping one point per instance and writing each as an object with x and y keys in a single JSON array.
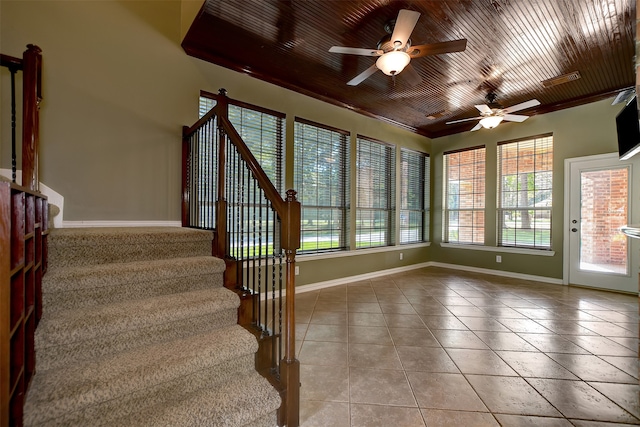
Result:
[
  {"x": 387, "y": 210},
  {"x": 339, "y": 191},
  {"x": 424, "y": 191},
  {"x": 534, "y": 213},
  {"x": 475, "y": 179}
]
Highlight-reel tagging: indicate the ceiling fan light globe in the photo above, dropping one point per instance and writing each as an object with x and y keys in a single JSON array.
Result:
[
  {"x": 392, "y": 63},
  {"x": 490, "y": 122}
]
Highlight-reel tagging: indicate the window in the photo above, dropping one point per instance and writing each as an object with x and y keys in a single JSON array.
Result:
[
  {"x": 321, "y": 177},
  {"x": 375, "y": 182},
  {"x": 263, "y": 132},
  {"x": 525, "y": 175},
  {"x": 414, "y": 196},
  {"x": 464, "y": 188}
]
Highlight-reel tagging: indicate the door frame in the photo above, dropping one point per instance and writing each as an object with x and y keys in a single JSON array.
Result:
[{"x": 567, "y": 208}]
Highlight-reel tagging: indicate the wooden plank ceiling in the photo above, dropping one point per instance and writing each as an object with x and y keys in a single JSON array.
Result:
[{"x": 513, "y": 48}]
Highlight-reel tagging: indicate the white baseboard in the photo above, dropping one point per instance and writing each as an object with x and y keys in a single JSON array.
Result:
[
  {"x": 77, "y": 224},
  {"x": 356, "y": 278},
  {"x": 497, "y": 273},
  {"x": 350, "y": 279}
]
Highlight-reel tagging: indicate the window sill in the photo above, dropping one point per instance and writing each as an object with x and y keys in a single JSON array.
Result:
[
  {"x": 353, "y": 252},
  {"x": 503, "y": 249}
]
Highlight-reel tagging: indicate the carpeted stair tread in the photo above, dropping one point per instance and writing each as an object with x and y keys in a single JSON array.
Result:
[
  {"x": 67, "y": 354},
  {"x": 83, "y": 286},
  {"x": 239, "y": 402},
  {"x": 90, "y": 246},
  {"x": 71, "y": 326},
  {"x": 119, "y": 235},
  {"x": 71, "y": 389}
]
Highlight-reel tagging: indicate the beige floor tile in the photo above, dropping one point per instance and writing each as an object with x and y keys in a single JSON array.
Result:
[
  {"x": 528, "y": 421},
  {"x": 483, "y": 324},
  {"x": 576, "y": 399},
  {"x": 503, "y": 312},
  {"x": 444, "y": 391},
  {"x": 413, "y": 337},
  {"x": 323, "y": 414},
  {"x": 511, "y": 396},
  {"x": 323, "y": 353},
  {"x": 524, "y": 326},
  {"x": 625, "y": 395},
  {"x": 374, "y": 356},
  {"x": 601, "y": 346},
  {"x": 339, "y": 306},
  {"x": 591, "y": 368},
  {"x": 404, "y": 321},
  {"x": 381, "y": 387},
  {"x": 362, "y": 297},
  {"x": 363, "y": 307},
  {"x": 431, "y": 310},
  {"x": 329, "y": 317},
  {"x": 608, "y": 329},
  {"x": 563, "y": 327},
  {"x": 384, "y": 416},
  {"x": 458, "y": 339},
  {"x": 504, "y": 341},
  {"x": 535, "y": 365},
  {"x": 443, "y": 322},
  {"x": 397, "y": 308},
  {"x": 329, "y": 383},
  {"x": 330, "y": 333},
  {"x": 441, "y": 418},
  {"x": 482, "y": 362},
  {"x": 367, "y": 319},
  {"x": 391, "y": 299},
  {"x": 551, "y": 343},
  {"x": 466, "y": 311},
  {"x": 370, "y": 335},
  {"x": 630, "y": 365},
  {"x": 427, "y": 359}
]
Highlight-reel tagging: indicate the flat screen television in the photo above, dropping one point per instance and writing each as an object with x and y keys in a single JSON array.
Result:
[{"x": 628, "y": 129}]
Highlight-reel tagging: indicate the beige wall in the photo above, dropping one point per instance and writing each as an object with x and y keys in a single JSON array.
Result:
[
  {"x": 117, "y": 90},
  {"x": 580, "y": 131}
]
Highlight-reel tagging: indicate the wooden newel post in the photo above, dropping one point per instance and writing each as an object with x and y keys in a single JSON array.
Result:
[
  {"x": 186, "y": 169},
  {"x": 32, "y": 89},
  {"x": 290, "y": 366},
  {"x": 221, "y": 203}
]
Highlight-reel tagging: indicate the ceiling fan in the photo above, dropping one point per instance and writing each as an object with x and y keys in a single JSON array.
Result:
[
  {"x": 395, "y": 51},
  {"x": 493, "y": 114}
]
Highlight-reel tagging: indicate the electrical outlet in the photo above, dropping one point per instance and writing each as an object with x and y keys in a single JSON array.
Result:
[
  {"x": 498, "y": 258},
  {"x": 297, "y": 270},
  {"x": 401, "y": 256}
]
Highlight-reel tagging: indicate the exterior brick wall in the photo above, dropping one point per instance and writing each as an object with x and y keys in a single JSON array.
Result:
[{"x": 603, "y": 212}]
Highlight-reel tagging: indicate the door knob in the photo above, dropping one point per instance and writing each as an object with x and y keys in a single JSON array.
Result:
[{"x": 574, "y": 229}]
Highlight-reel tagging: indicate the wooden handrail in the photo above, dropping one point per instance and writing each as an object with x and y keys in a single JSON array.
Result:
[
  {"x": 10, "y": 62},
  {"x": 230, "y": 147}
]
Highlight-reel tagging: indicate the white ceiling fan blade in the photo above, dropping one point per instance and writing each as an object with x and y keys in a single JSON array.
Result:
[
  {"x": 411, "y": 76},
  {"x": 363, "y": 76},
  {"x": 405, "y": 23},
  {"x": 476, "y": 127},
  {"x": 464, "y": 120},
  {"x": 515, "y": 118},
  {"x": 522, "y": 106},
  {"x": 484, "y": 109},
  {"x": 355, "y": 51}
]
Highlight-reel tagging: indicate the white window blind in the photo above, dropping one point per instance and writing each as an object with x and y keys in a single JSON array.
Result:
[
  {"x": 375, "y": 181},
  {"x": 321, "y": 177},
  {"x": 464, "y": 195},
  {"x": 414, "y": 196},
  {"x": 525, "y": 178}
]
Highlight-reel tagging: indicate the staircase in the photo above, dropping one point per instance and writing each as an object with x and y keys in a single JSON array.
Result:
[{"x": 139, "y": 331}]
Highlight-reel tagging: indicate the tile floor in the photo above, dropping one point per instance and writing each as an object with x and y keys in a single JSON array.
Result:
[{"x": 437, "y": 347}]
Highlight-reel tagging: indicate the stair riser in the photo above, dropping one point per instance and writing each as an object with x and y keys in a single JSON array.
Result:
[
  {"x": 60, "y": 356},
  {"x": 78, "y": 255},
  {"x": 107, "y": 413},
  {"x": 66, "y": 300}
]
